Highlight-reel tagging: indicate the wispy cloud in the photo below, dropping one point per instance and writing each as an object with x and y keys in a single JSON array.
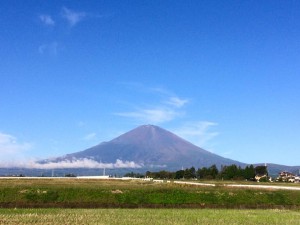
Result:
[
  {"x": 90, "y": 137},
  {"x": 198, "y": 133},
  {"x": 154, "y": 115},
  {"x": 47, "y": 20},
  {"x": 9, "y": 145},
  {"x": 72, "y": 16},
  {"x": 177, "y": 102},
  {"x": 166, "y": 106},
  {"x": 50, "y": 48},
  {"x": 75, "y": 163}
]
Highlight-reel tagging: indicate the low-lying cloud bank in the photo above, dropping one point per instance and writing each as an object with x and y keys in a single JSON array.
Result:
[{"x": 68, "y": 164}]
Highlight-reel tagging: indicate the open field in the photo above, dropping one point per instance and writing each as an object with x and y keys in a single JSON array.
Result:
[
  {"x": 148, "y": 216},
  {"x": 74, "y": 193}
]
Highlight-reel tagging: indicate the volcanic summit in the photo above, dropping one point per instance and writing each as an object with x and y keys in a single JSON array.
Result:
[{"x": 151, "y": 146}]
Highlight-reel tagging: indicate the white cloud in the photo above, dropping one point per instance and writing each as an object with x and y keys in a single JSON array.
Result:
[
  {"x": 165, "y": 105},
  {"x": 155, "y": 115},
  {"x": 177, "y": 102},
  {"x": 10, "y": 146},
  {"x": 75, "y": 163},
  {"x": 51, "y": 48},
  {"x": 47, "y": 20},
  {"x": 90, "y": 137},
  {"x": 199, "y": 133},
  {"x": 72, "y": 17}
]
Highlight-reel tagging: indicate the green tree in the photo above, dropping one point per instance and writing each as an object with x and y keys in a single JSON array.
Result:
[
  {"x": 179, "y": 174},
  {"x": 230, "y": 172},
  {"x": 201, "y": 173},
  {"x": 207, "y": 173},
  {"x": 249, "y": 172},
  {"x": 213, "y": 170},
  {"x": 261, "y": 170}
]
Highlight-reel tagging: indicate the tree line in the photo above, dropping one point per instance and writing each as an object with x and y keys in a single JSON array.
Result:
[{"x": 232, "y": 172}]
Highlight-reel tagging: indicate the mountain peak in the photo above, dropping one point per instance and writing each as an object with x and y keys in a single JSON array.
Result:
[
  {"x": 151, "y": 145},
  {"x": 147, "y": 134}
]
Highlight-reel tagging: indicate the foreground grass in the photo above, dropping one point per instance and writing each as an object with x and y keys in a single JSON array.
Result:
[
  {"x": 73, "y": 193},
  {"x": 148, "y": 216}
]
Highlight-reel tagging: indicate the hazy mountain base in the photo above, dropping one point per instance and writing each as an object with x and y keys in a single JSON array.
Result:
[
  {"x": 273, "y": 170},
  {"x": 64, "y": 172}
]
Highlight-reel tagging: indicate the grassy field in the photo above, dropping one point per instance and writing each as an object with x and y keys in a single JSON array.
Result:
[
  {"x": 74, "y": 193},
  {"x": 148, "y": 216}
]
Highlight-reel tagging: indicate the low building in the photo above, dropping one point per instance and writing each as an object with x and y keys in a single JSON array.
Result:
[{"x": 287, "y": 177}]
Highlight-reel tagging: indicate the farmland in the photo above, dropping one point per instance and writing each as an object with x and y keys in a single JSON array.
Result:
[
  {"x": 148, "y": 216},
  {"x": 91, "y": 201},
  {"x": 75, "y": 193}
]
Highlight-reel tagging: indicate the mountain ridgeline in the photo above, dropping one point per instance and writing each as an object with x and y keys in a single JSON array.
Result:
[{"x": 152, "y": 147}]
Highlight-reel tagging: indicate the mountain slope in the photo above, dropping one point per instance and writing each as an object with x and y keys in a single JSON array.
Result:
[{"x": 152, "y": 147}]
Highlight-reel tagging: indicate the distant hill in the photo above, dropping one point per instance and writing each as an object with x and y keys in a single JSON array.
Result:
[{"x": 152, "y": 147}]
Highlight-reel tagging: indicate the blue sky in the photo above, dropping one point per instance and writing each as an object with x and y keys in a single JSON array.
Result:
[{"x": 224, "y": 75}]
